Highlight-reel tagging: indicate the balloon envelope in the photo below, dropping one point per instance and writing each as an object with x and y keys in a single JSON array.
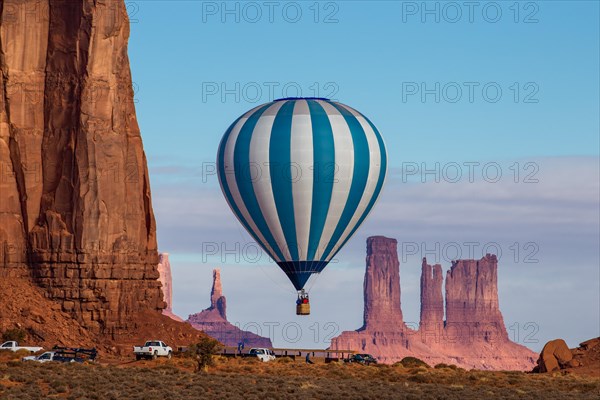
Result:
[{"x": 301, "y": 175}]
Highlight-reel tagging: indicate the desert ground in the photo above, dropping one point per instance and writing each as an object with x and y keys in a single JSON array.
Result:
[{"x": 232, "y": 378}]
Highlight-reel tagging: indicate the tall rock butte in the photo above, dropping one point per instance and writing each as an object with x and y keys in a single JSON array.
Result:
[
  {"x": 432, "y": 300},
  {"x": 75, "y": 209},
  {"x": 473, "y": 334},
  {"x": 382, "y": 284},
  {"x": 213, "y": 321}
]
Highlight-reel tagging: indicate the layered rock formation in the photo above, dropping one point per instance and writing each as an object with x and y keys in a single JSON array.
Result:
[
  {"x": 382, "y": 283},
  {"x": 472, "y": 335},
  {"x": 166, "y": 279},
  {"x": 472, "y": 299},
  {"x": 213, "y": 321},
  {"x": 432, "y": 300},
  {"x": 75, "y": 208}
]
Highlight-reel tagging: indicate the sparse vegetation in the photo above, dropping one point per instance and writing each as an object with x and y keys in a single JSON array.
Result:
[
  {"x": 449, "y": 366},
  {"x": 410, "y": 362},
  {"x": 248, "y": 378},
  {"x": 203, "y": 352}
]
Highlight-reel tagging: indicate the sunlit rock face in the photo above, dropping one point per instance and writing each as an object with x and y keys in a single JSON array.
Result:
[
  {"x": 75, "y": 206},
  {"x": 472, "y": 334}
]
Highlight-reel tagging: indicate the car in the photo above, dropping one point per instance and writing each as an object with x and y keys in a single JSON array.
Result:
[
  {"x": 72, "y": 354},
  {"x": 365, "y": 359},
  {"x": 42, "y": 358},
  {"x": 262, "y": 354},
  {"x": 65, "y": 355},
  {"x": 14, "y": 346},
  {"x": 152, "y": 349}
]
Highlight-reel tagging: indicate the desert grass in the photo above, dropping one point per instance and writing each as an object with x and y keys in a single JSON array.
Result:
[{"x": 251, "y": 379}]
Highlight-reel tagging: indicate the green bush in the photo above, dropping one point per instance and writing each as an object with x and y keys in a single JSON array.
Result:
[{"x": 203, "y": 352}]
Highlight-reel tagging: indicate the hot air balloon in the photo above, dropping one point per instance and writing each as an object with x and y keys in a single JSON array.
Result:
[{"x": 301, "y": 175}]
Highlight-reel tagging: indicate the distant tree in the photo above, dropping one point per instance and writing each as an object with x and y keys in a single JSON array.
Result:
[
  {"x": 16, "y": 334},
  {"x": 203, "y": 353}
]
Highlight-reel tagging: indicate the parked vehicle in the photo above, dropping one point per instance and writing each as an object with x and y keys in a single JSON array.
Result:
[
  {"x": 72, "y": 354},
  {"x": 42, "y": 358},
  {"x": 365, "y": 359},
  {"x": 14, "y": 346},
  {"x": 152, "y": 349},
  {"x": 262, "y": 354},
  {"x": 64, "y": 354}
]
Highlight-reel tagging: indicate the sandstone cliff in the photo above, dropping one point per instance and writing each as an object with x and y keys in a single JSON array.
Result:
[
  {"x": 432, "y": 301},
  {"x": 473, "y": 334},
  {"x": 166, "y": 279},
  {"x": 213, "y": 321},
  {"x": 75, "y": 207},
  {"x": 382, "y": 284},
  {"x": 472, "y": 299}
]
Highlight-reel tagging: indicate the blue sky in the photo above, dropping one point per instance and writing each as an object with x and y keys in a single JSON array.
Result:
[{"x": 513, "y": 91}]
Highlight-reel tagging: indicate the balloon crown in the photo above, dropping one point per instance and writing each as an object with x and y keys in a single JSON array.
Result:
[{"x": 302, "y": 98}]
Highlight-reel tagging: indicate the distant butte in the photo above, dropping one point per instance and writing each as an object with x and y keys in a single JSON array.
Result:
[
  {"x": 472, "y": 335},
  {"x": 166, "y": 280},
  {"x": 213, "y": 321}
]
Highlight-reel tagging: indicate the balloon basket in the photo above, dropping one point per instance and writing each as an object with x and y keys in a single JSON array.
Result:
[{"x": 303, "y": 309}]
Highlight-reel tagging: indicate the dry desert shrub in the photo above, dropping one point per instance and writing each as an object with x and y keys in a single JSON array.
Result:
[
  {"x": 239, "y": 378},
  {"x": 409, "y": 362}
]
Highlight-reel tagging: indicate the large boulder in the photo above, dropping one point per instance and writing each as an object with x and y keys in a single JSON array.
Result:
[{"x": 554, "y": 356}]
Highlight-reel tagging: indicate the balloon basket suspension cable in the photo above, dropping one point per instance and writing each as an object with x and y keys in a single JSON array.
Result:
[
  {"x": 278, "y": 284},
  {"x": 302, "y": 303}
]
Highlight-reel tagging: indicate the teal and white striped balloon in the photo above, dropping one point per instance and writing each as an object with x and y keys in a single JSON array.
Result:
[{"x": 301, "y": 175}]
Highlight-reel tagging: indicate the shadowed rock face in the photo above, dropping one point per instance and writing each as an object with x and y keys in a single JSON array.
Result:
[
  {"x": 213, "y": 320},
  {"x": 473, "y": 334},
  {"x": 75, "y": 207}
]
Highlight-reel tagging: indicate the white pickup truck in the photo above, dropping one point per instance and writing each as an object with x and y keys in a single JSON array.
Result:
[
  {"x": 14, "y": 346},
  {"x": 262, "y": 354},
  {"x": 152, "y": 349}
]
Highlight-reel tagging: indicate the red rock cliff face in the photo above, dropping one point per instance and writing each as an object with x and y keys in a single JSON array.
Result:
[
  {"x": 473, "y": 335},
  {"x": 432, "y": 301},
  {"x": 382, "y": 283},
  {"x": 213, "y": 320},
  {"x": 472, "y": 299},
  {"x": 166, "y": 281},
  {"x": 75, "y": 207}
]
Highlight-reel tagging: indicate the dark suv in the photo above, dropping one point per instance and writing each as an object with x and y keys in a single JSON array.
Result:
[{"x": 365, "y": 359}]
